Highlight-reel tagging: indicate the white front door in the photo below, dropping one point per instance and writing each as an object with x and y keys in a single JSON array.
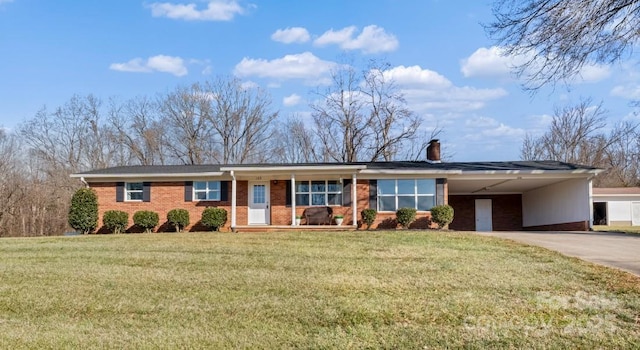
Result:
[
  {"x": 484, "y": 220},
  {"x": 259, "y": 203},
  {"x": 635, "y": 213}
]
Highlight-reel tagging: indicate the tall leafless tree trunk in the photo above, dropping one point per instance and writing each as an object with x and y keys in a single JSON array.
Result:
[
  {"x": 187, "y": 112},
  {"x": 242, "y": 120}
]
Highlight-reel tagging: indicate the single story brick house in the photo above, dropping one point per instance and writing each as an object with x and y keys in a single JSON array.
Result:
[
  {"x": 616, "y": 206},
  {"x": 519, "y": 195}
]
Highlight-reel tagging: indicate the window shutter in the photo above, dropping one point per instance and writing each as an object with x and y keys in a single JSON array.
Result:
[
  {"x": 346, "y": 193},
  {"x": 288, "y": 193},
  {"x": 188, "y": 191},
  {"x": 224, "y": 191},
  {"x": 373, "y": 194},
  {"x": 146, "y": 191},
  {"x": 119, "y": 191},
  {"x": 440, "y": 191}
]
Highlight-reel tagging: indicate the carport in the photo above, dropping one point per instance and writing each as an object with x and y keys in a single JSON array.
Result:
[{"x": 514, "y": 200}]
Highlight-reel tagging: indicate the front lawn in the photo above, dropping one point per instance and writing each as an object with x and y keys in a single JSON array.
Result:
[
  {"x": 619, "y": 229},
  {"x": 399, "y": 290}
]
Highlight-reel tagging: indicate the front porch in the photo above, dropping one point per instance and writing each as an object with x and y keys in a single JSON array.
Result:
[{"x": 270, "y": 198}]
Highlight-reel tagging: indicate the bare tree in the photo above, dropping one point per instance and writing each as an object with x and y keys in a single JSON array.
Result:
[
  {"x": 11, "y": 193},
  {"x": 559, "y": 37},
  {"x": 69, "y": 139},
  {"x": 242, "y": 119},
  {"x": 341, "y": 122},
  {"x": 186, "y": 112},
  {"x": 623, "y": 157},
  {"x": 575, "y": 136},
  {"x": 137, "y": 126},
  {"x": 392, "y": 122},
  {"x": 294, "y": 142},
  {"x": 363, "y": 117}
]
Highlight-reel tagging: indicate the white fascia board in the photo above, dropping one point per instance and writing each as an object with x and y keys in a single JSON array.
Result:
[
  {"x": 409, "y": 172},
  {"x": 146, "y": 176},
  {"x": 294, "y": 168},
  {"x": 525, "y": 174}
]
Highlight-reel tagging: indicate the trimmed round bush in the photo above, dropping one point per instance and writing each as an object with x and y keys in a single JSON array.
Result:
[
  {"x": 368, "y": 217},
  {"x": 405, "y": 216},
  {"x": 83, "y": 212},
  {"x": 214, "y": 218},
  {"x": 146, "y": 219},
  {"x": 442, "y": 215},
  {"x": 115, "y": 221},
  {"x": 179, "y": 218}
]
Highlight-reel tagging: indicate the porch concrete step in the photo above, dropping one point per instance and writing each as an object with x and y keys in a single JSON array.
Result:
[{"x": 275, "y": 228}]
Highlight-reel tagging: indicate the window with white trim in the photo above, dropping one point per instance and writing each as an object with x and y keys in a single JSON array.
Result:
[
  {"x": 406, "y": 193},
  {"x": 206, "y": 190},
  {"x": 133, "y": 191},
  {"x": 318, "y": 193}
]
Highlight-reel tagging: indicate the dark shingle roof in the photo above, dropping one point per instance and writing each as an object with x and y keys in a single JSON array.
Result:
[
  {"x": 154, "y": 169},
  {"x": 406, "y": 165}
]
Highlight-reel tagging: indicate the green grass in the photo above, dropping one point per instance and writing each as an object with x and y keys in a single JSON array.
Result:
[
  {"x": 341, "y": 290},
  {"x": 619, "y": 229}
]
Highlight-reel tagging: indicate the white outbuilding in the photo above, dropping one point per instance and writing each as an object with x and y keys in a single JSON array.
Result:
[{"x": 618, "y": 206}]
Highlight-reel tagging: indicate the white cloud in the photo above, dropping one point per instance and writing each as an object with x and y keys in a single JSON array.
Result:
[
  {"x": 426, "y": 90},
  {"x": 291, "y": 35},
  {"x": 629, "y": 92},
  {"x": 490, "y": 63},
  {"x": 491, "y": 131},
  {"x": 159, "y": 63},
  {"x": 416, "y": 76},
  {"x": 592, "y": 74},
  {"x": 372, "y": 39},
  {"x": 248, "y": 85},
  {"x": 291, "y": 100},
  {"x": 493, "y": 62},
  {"x": 299, "y": 66},
  {"x": 217, "y": 10}
]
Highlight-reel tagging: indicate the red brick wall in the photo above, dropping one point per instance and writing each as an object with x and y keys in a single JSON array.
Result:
[
  {"x": 506, "y": 212},
  {"x": 164, "y": 197},
  {"x": 569, "y": 226},
  {"x": 170, "y": 195}
]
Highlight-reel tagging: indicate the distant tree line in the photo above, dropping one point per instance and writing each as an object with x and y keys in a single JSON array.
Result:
[
  {"x": 362, "y": 116},
  {"x": 579, "y": 134}
]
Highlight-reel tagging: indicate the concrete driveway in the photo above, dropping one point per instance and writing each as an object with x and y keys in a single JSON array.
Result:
[{"x": 611, "y": 249}]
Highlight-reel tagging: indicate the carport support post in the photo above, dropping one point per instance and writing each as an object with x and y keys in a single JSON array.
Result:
[
  {"x": 591, "y": 205},
  {"x": 293, "y": 200},
  {"x": 354, "y": 200},
  {"x": 233, "y": 201}
]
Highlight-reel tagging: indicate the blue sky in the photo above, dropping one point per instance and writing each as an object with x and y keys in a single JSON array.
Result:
[{"x": 450, "y": 72}]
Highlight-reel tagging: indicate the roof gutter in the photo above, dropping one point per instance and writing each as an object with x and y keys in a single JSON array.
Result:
[
  {"x": 295, "y": 168},
  {"x": 147, "y": 175}
]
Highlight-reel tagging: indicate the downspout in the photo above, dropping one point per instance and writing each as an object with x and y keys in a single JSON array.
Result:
[
  {"x": 590, "y": 182},
  {"x": 86, "y": 184}
]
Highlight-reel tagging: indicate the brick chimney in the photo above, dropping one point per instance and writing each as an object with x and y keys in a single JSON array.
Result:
[{"x": 433, "y": 151}]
